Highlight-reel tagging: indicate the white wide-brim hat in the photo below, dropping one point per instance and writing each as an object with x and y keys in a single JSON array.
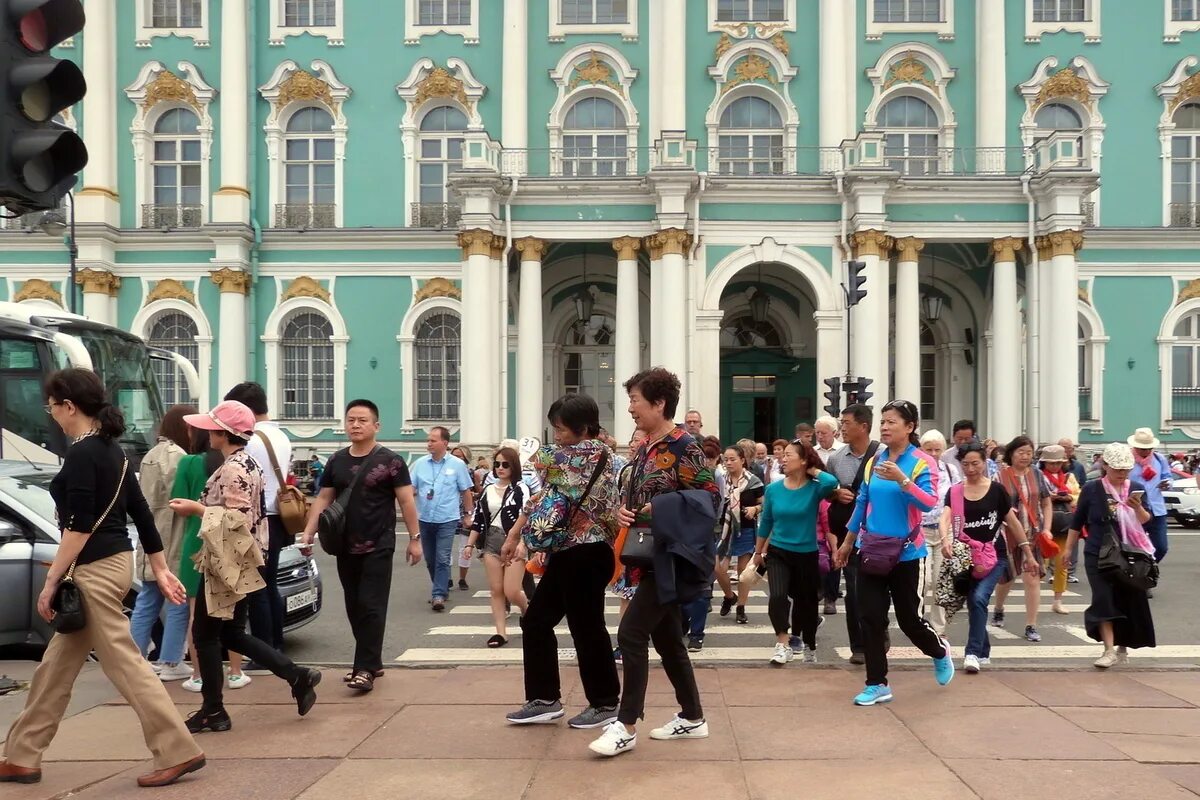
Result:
[{"x": 1143, "y": 439}]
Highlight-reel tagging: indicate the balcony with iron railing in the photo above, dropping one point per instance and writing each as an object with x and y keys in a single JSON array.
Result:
[
  {"x": 304, "y": 216},
  {"x": 438, "y": 216},
  {"x": 1085, "y": 403},
  {"x": 172, "y": 215},
  {"x": 1184, "y": 215},
  {"x": 1185, "y": 404}
]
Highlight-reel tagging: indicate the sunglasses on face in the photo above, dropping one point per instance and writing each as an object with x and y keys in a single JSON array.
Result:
[{"x": 499, "y": 464}]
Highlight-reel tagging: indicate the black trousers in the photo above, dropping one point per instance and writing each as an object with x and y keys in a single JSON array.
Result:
[
  {"x": 266, "y": 606},
  {"x": 572, "y": 586},
  {"x": 366, "y": 586},
  {"x": 898, "y": 588},
  {"x": 647, "y": 620},
  {"x": 832, "y": 583},
  {"x": 794, "y": 580},
  {"x": 211, "y": 634}
]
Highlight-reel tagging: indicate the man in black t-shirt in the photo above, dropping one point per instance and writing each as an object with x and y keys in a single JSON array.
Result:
[{"x": 365, "y": 569}]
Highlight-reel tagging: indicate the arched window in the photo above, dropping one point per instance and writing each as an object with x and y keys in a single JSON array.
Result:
[
  {"x": 1185, "y": 369},
  {"x": 751, "y": 138},
  {"x": 928, "y": 373},
  {"x": 595, "y": 139},
  {"x": 1058, "y": 117},
  {"x": 174, "y": 331},
  {"x": 176, "y": 169},
  {"x": 438, "y": 345},
  {"x": 1185, "y": 166},
  {"x": 441, "y": 144},
  {"x": 306, "y": 348},
  {"x": 911, "y": 130},
  {"x": 588, "y": 363},
  {"x": 309, "y": 174},
  {"x": 743, "y": 332}
]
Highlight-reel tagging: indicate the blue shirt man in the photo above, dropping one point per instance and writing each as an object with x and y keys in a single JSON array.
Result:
[
  {"x": 444, "y": 503},
  {"x": 1153, "y": 471}
]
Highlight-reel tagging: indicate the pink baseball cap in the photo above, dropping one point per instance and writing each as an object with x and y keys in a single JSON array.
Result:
[{"x": 229, "y": 416}]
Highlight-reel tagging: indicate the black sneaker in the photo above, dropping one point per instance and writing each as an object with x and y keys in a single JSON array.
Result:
[
  {"x": 592, "y": 717},
  {"x": 462, "y": 586},
  {"x": 695, "y": 644},
  {"x": 727, "y": 605},
  {"x": 304, "y": 689},
  {"x": 742, "y": 619},
  {"x": 254, "y": 668},
  {"x": 536, "y": 712},
  {"x": 857, "y": 659},
  {"x": 998, "y": 618},
  {"x": 215, "y": 721}
]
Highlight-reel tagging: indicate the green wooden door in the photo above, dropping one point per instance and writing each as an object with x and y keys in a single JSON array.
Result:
[{"x": 765, "y": 394}]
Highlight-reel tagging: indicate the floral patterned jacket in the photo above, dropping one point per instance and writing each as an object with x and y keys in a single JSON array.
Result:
[
  {"x": 238, "y": 486},
  {"x": 672, "y": 463},
  {"x": 568, "y": 470}
]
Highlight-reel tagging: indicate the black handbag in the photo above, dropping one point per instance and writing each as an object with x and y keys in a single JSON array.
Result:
[
  {"x": 331, "y": 524},
  {"x": 1128, "y": 568},
  {"x": 638, "y": 550},
  {"x": 67, "y": 603}
]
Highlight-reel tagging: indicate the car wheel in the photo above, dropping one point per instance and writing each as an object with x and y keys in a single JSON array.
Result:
[{"x": 1190, "y": 524}]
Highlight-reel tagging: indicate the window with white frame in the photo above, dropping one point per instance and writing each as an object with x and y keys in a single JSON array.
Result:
[
  {"x": 929, "y": 384},
  {"x": 1053, "y": 117},
  {"x": 1185, "y": 10},
  {"x": 1185, "y": 167},
  {"x": 182, "y": 18},
  {"x": 309, "y": 171},
  {"x": 177, "y": 332},
  {"x": 1084, "y": 349},
  {"x": 429, "y": 17},
  {"x": 911, "y": 130},
  {"x": 1071, "y": 16},
  {"x": 595, "y": 142},
  {"x": 593, "y": 12},
  {"x": 438, "y": 350},
  {"x": 1059, "y": 10},
  {"x": 310, "y": 13},
  {"x": 176, "y": 13},
  {"x": 176, "y": 171},
  {"x": 1185, "y": 369},
  {"x": 750, "y": 141},
  {"x": 441, "y": 144},
  {"x": 908, "y": 10},
  {"x": 306, "y": 350},
  {"x": 751, "y": 11},
  {"x": 443, "y": 12}
]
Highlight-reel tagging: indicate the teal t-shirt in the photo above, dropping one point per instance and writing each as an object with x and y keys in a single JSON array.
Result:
[{"x": 789, "y": 516}]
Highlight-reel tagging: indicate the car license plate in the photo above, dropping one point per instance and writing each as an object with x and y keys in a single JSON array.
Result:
[{"x": 306, "y": 598}]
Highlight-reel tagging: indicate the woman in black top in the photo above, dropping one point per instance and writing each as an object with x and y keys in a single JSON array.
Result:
[
  {"x": 95, "y": 492},
  {"x": 496, "y": 511}
]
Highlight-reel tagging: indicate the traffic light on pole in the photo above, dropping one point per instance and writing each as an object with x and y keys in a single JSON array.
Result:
[
  {"x": 834, "y": 396},
  {"x": 855, "y": 278},
  {"x": 863, "y": 394},
  {"x": 40, "y": 157}
]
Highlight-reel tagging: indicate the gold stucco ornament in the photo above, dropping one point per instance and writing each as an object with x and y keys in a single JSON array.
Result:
[
  {"x": 302, "y": 85},
  {"x": 305, "y": 286},
  {"x": 38, "y": 289},
  {"x": 170, "y": 289},
  {"x": 595, "y": 71},
  {"x": 1065, "y": 83},
  {"x": 440, "y": 83},
  {"x": 909, "y": 69},
  {"x": 169, "y": 87},
  {"x": 437, "y": 287}
]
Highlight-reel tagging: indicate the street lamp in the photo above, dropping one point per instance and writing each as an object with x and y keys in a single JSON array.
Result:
[
  {"x": 931, "y": 307},
  {"x": 55, "y": 223}
]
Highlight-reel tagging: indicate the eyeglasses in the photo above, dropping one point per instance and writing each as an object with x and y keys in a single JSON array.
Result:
[
  {"x": 499, "y": 464},
  {"x": 49, "y": 407}
]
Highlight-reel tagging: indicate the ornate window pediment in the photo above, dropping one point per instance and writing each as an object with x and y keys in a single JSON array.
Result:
[
  {"x": 1179, "y": 136},
  {"x": 602, "y": 72},
  {"x": 915, "y": 70},
  {"x": 753, "y": 68},
  {"x": 1059, "y": 95}
]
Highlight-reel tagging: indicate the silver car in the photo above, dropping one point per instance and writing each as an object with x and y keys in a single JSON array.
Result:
[{"x": 29, "y": 542}]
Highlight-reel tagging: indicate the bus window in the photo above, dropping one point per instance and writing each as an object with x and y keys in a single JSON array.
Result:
[{"x": 21, "y": 401}]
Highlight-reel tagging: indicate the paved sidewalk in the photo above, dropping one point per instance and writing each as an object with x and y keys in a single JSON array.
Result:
[{"x": 439, "y": 733}]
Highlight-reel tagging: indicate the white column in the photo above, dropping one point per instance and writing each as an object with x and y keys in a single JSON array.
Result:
[
  {"x": 1004, "y": 373},
  {"x": 480, "y": 395},
  {"x": 1062, "y": 335},
  {"x": 531, "y": 376},
  {"x": 656, "y": 295},
  {"x": 1046, "y": 310},
  {"x": 672, "y": 314},
  {"x": 706, "y": 389},
  {"x": 99, "y": 290},
  {"x": 1032, "y": 352},
  {"x": 990, "y": 84},
  {"x": 627, "y": 348},
  {"x": 514, "y": 123},
  {"x": 870, "y": 319},
  {"x": 231, "y": 202},
  {"x": 231, "y": 330},
  {"x": 832, "y": 87},
  {"x": 98, "y": 199},
  {"x": 674, "y": 66},
  {"x": 908, "y": 321}
]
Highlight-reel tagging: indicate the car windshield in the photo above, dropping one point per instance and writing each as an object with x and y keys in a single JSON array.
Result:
[
  {"x": 129, "y": 378},
  {"x": 32, "y": 491}
]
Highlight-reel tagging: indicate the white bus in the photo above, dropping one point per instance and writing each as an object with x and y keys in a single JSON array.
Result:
[{"x": 35, "y": 342}]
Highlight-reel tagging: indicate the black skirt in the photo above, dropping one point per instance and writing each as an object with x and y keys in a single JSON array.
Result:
[{"x": 1127, "y": 609}]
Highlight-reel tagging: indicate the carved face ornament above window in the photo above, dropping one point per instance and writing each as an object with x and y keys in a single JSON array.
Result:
[{"x": 1065, "y": 83}]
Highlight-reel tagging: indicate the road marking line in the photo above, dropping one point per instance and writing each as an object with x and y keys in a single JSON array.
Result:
[{"x": 751, "y": 608}]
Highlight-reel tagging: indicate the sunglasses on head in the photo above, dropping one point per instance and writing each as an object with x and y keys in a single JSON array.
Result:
[{"x": 903, "y": 406}]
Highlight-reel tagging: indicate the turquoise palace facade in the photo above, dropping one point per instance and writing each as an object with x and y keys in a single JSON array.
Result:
[{"x": 463, "y": 208}]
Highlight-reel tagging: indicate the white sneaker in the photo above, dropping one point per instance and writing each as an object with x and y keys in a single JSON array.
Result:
[
  {"x": 615, "y": 740},
  {"x": 157, "y": 667},
  {"x": 783, "y": 654},
  {"x": 971, "y": 664},
  {"x": 174, "y": 672},
  {"x": 680, "y": 728},
  {"x": 192, "y": 684},
  {"x": 239, "y": 681},
  {"x": 810, "y": 655},
  {"x": 985, "y": 662},
  {"x": 1122, "y": 654},
  {"x": 1107, "y": 660}
]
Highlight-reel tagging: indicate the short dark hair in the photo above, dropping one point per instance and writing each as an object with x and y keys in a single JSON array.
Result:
[
  {"x": 657, "y": 384},
  {"x": 860, "y": 413},
  {"x": 442, "y": 431},
  {"x": 251, "y": 395},
  {"x": 964, "y": 425},
  {"x": 174, "y": 429},
  {"x": 1017, "y": 444},
  {"x": 513, "y": 460},
  {"x": 368, "y": 405},
  {"x": 803, "y": 427},
  {"x": 577, "y": 412},
  {"x": 807, "y": 452},
  {"x": 711, "y": 447},
  {"x": 971, "y": 447},
  {"x": 908, "y": 412}
]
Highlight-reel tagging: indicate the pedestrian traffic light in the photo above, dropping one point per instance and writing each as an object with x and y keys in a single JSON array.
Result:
[
  {"x": 854, "y": 281},
  {"x": 863, "y": 394},
  {"x": 834, "y": 396},
  {"x": 40, "y": 157}
]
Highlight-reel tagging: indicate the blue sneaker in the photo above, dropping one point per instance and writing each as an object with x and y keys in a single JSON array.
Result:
[
  {"x": 871, "y": 695},
  {"x": 795, "y": 643},
  {"x": 943, "y": 668}
]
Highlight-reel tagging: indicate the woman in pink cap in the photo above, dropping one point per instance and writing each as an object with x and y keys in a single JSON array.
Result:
[{"x": 234, "y": 535}]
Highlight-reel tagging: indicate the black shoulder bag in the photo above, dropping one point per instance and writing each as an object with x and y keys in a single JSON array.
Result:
[
  {"x": 638, "y": 550},
  {"x": 840, "y": 513},
  {"x": 1120, "y": 567},
  {"x": 331, "y": 524}
]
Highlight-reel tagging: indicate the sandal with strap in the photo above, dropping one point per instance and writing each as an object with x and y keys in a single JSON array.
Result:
[
  {"x": 497, "y": 641},
  {"x": 363, "y": 681},
  {"x": 349, "y": 676}
]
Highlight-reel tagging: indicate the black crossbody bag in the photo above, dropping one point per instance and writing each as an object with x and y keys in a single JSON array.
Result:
[{"x": 331, "y": 524}]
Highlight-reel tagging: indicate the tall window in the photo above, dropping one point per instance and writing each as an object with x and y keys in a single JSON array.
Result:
[
  {"x": 441, "y": 146},
  {"x": 588, "y": 363},
  {"x": 751, "y": 138},
  {"x": 1185, "y": 166},
  {"x": 593, "y": 12},
  {"x": 307, "y": 352},
  {"x": 1185, "y": 10},
  {"x": 910, "y": 135},
  {"x": 438, "y": 345},
  {"x": 443, "y": 12},
  {"x": 928, "y": 373},
  {"x": 908, "y": 10},
  {"x": 309, "y": 165},
  {"x": 595, "y": 141},
  {"x": 751, "y": 11},
  {"x": 1058, "y": 117},
  {"x": 1185, "y": 369},
  {"x": 1059, "y": 10},
  {"x": 176, "y": 169},
  {"x": 176, "y": 13},
  {"x": 1085, "y": 373},
  {"x": 174, "y": 331},
  {"x": 309, "y": 13}
]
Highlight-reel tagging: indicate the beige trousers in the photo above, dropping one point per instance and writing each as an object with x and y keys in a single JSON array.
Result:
[
  {"x": 932, "y": 568},
  {"x": 103, "y": 584}
]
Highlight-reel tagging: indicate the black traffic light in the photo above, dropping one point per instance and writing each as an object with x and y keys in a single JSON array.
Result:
[
  {"x": 40, "y": 157},
  {"x": 834, "y": 396},
  {"x": 857, "y": 391},
  {"x": 854, "y": 281}
]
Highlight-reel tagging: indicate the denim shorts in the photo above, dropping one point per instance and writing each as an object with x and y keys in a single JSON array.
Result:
[{"x": 739, "y": 544}]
